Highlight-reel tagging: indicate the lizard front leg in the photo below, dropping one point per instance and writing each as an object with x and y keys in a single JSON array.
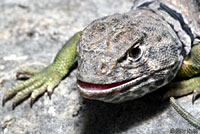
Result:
[
  {"x": 46, "y": 79},
  {"x": 190, "y": 68},
  {"x": 188, "y": 75}
]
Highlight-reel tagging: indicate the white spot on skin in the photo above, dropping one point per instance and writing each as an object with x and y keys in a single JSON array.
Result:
[
  {"x": 103, "y": 71},
  {"x": 13, "y": 57}
]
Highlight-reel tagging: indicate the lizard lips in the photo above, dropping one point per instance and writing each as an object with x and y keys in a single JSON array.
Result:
[
  {"x": 92, "y": 86},
  {"x": 107, "y": 92},
  {"x": 98, "y": 91}
]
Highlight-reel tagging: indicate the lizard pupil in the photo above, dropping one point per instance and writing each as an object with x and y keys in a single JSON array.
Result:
[{"x": 135, "y": 52}]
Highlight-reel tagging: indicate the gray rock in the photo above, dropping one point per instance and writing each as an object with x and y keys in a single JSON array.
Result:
[{"x": 31, "y": 34}]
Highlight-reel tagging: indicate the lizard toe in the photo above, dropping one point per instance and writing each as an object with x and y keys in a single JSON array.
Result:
[
  {"x": 37, "y": 92},
  {"x": 13, "y": 90},
  {"x": 51, "y": 86},
  {"x": 21, "y": 95},
  {"x": 26, "y": 71}
]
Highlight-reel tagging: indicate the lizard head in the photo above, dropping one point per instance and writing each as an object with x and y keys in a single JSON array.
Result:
[{"x": 125, "y": 56}]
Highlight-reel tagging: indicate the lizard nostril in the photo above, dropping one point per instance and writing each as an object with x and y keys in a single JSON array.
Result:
[{"x": 103, "y": 69}]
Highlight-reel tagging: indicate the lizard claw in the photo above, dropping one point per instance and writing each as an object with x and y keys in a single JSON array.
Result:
[
  {"x": 14, "y": 105},
  {"x": 51, "y": 87},
  {"x": 37, "y": 92},
  {"x": 31, "y": 102},
  {"x": 195, "y": 96},
  {"x": 50, "y": 91},
  {"x": 49, "y": 94},
  {"x": 4, "y": 101}
]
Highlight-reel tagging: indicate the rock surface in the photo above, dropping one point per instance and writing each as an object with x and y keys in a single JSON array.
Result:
[{"x": 31, "y": 33}]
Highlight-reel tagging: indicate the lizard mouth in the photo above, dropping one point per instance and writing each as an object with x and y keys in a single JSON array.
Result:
[
  {"x": 92, "y": 86},
  {"x": 100, "y": 91}
]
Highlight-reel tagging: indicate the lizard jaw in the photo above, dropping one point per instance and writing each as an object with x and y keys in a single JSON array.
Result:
[{"x": 101, "y": 91}]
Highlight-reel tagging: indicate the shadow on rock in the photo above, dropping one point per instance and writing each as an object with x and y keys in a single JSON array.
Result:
[{"x": 105, "y": 118}]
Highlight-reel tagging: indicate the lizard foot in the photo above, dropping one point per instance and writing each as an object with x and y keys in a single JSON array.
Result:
[
  {"x": 44, "y": 80},
  {"x": 41, "y": 81},
  {"x": 181, "y": 88},
  {"x": 190, "y": 69}
]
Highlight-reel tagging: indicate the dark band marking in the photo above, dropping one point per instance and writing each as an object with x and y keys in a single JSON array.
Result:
[
  {"x": 198, "y": 3},
  {"x": 177, "y": 16},
  {"x": 146, "y": 4}
]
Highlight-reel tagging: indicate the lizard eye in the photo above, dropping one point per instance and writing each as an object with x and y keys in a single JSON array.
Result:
[{"x": 135, "y": 53}]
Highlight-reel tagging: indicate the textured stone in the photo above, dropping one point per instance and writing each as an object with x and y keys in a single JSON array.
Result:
[{"x": 31, "y": 34}]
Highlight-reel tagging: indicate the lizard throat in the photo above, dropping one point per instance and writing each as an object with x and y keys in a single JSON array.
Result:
[{"x": 92, "y": 86}]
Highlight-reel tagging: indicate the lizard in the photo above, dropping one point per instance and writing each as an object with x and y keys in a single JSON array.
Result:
[{"x": 123, "y": 57}]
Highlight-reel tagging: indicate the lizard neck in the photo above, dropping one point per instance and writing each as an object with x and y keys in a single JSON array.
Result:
[{"x": 174, "y": 16}]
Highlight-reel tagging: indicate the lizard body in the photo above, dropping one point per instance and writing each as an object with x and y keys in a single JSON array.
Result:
[{"x": 124, "y": 56}]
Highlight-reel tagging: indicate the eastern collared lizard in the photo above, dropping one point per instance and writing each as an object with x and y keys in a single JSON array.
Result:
[{"x": 125, "y": 56}]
